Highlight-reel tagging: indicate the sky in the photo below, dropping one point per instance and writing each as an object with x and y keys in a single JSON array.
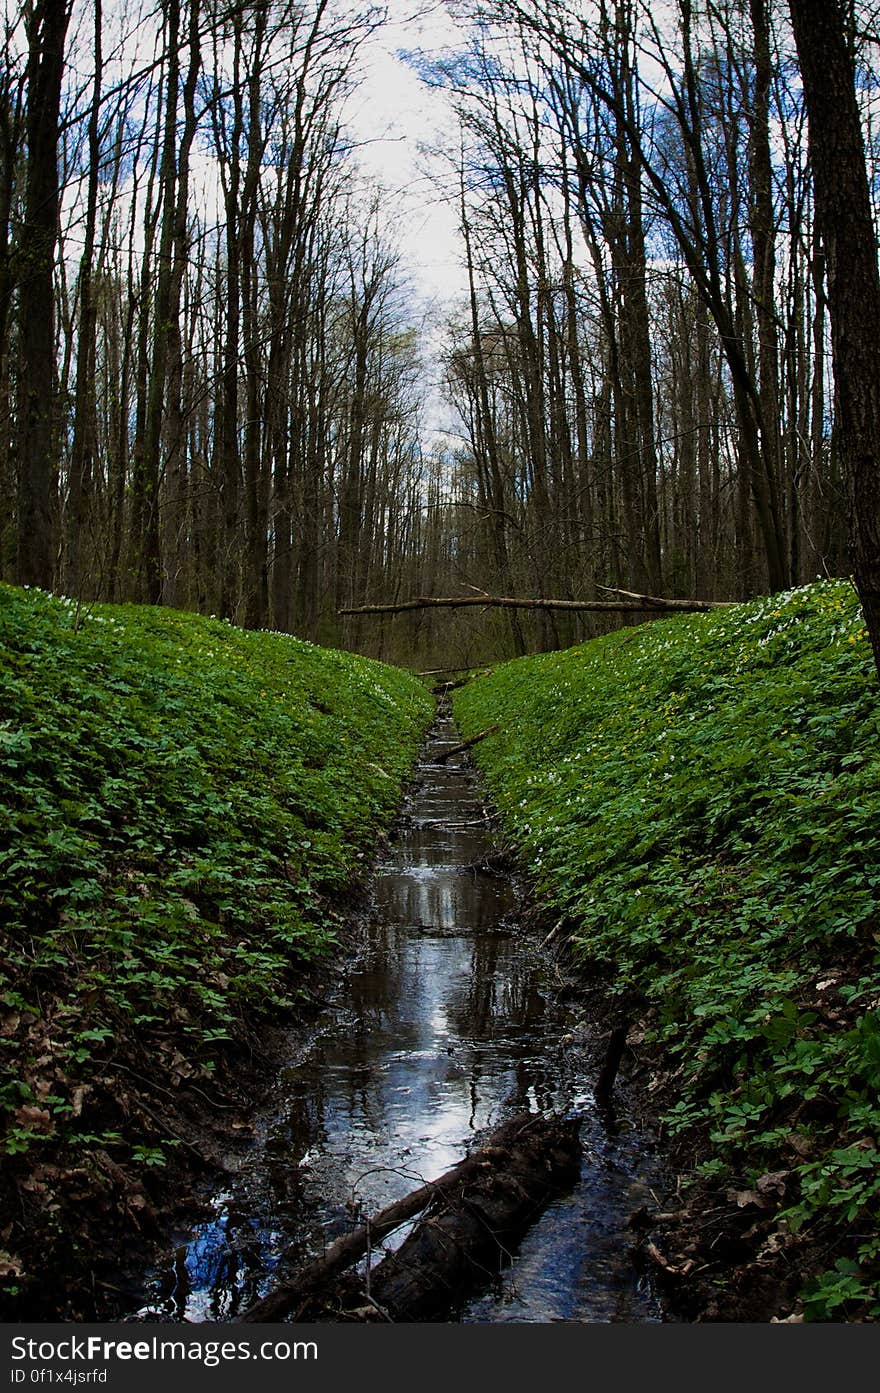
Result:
[
  {"x": 398, "y": 118},
  {"x": 397, "y": 115}
]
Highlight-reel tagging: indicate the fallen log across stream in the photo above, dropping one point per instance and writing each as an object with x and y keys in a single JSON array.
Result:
[
  {"x": 465, "y": 745},
  {"x": 471, "y": 1218},
  {"x": 631, "y": 603}
]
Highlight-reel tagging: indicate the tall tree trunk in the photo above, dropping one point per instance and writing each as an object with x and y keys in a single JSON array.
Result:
[
  {"x": 230, "y": 468},
  {"x": 176, "y": 508},
  {"x": 635, "y": 295},
  {"x": 11, "y": 135},
  {"x": 762, "y": 223},
  {"x": 148, "y": 541},
  {"x": 484, "y": 416},
  {"x": 140, "y": 314},
  {"x": 256, "y": 494},
  {"x": 83, "y": 448},
  {"x": 47, "y": 22},
  {"x": 843, "y": 211}
]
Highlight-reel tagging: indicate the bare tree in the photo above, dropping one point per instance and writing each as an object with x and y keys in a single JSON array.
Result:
[
  {"x": 46, "y": 24},
  {"x": 845, "y": 218},
  {"x": 12, "y": 78}
]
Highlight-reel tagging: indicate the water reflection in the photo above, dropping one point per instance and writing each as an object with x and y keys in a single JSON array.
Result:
[{"x": 448, "y": 1021}]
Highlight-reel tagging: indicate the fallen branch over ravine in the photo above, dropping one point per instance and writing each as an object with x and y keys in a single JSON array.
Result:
[
  {"x": 473, "y": 1214},
  {"x": 466, "y": 744},
  {"x": 638, "y": 604}
]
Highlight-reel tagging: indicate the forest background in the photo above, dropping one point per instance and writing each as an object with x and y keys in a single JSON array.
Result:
[{"x": 215, "y": 376}]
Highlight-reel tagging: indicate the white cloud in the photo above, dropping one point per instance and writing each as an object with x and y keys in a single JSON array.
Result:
[
  {"x": 401, "y": 124},
  {"x": 398, "y": 120}
]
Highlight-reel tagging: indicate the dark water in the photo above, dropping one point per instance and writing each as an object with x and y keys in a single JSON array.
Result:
[{"x": 450, "y": 1020}]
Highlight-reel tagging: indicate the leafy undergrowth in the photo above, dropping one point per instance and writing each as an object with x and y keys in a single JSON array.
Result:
[
  {"x": 699, "y": 798},
  {"x": 183, "y": 805}
]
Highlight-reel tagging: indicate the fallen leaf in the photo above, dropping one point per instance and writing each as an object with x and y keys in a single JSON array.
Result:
[
  {"x": 742, "y": 1198},
  {"x": 34, "y": 1118},
  {"x": 773, "y": 1183},
  {"x": 182, "y": 1065},
  {"x": 774, "y": 1244},
  {"x": 799, "y": 1144},
  {"x": 32, "y": 1186}
]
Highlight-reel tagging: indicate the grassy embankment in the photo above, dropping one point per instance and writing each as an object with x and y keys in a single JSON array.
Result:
[
  {"x": 700, "y": 799},
  {"x": 182, "y": 806}
]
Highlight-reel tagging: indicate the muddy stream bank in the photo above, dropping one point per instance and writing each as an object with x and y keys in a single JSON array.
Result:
[{"x": 449, "y": 1019}]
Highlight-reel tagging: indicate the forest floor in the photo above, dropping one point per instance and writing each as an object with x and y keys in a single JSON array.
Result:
[
  {"x": 86, "y": 1226},
  {"x": 696, "y": 803},
  {"x": 716, "y": 1248},
  {"x": 188, "y": 810},
  {"x": 185, "y": 809}
]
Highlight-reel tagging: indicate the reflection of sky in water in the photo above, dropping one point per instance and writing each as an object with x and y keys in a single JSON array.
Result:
[
  {"x": 223, "y": 1258},
  {"x": 445, "y": 1026},
  {"x": 431, "y": 1054}
]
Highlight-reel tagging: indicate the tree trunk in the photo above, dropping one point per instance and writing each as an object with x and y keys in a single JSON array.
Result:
[
  {"x": 83, "y": 449},
  {"x": 11, "y": 137},
  {"x": 762, "y": 225},
  {"x": 638, "y": 604},
  {"x": 843, "y": 212},
  {"x": 176, "y": 508},
  {"x": 148, "y": 472},
  {"x": 487, "y": 457},
  {"x": 46, "y": 29},
  {"x": 478, "y": 1210}
]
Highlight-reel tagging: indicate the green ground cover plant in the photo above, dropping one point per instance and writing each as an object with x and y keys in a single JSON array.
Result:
[
  {"x": 182, "y": 806},
  {"x": 700, "y": 799}
]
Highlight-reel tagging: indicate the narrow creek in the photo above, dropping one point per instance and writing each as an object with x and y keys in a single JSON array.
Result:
[{"x": 449, "y": 1020}]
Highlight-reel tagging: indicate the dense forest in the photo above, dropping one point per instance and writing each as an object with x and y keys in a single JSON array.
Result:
[
  {"x": 212, "y": 375},
  {"x": 241, "y": 429}
]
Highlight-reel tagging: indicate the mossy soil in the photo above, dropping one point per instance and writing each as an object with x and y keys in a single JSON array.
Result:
[
  {"x": 186, "y": 812},
  {"x": 697, "y": 804}
]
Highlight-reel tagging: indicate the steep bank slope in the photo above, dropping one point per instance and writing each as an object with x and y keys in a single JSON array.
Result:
[
  {"x": 182, "y": 806},
  {"x": 700, "y": 799}
]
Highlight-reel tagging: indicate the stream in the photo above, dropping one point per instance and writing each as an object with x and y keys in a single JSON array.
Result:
[{"x": 449, "y": 1020}]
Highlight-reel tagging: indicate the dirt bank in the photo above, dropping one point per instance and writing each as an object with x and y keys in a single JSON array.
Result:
[{"x": 78, "y": 1232}]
